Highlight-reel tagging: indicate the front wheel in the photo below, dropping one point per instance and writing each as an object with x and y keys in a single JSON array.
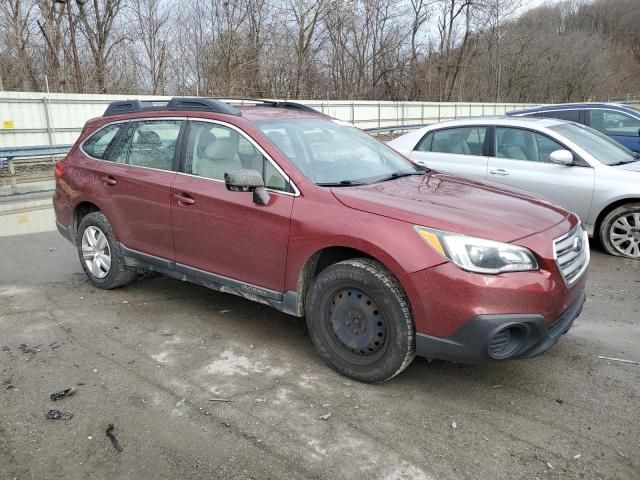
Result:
[
  {"x": 359, "y": 320},
  {"x": 100, "y": 254},
  {"x": 620, "y": 231}
]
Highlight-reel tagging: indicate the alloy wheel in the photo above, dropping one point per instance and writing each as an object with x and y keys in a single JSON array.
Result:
[
  {"x": 96, "y": 252},
  {"x": 624, "y": 234}
]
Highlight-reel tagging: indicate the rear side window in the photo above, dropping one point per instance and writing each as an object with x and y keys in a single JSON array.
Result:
[
  {"x": 424, "y": 145},
  {"x": 149, "y": 143},
  {"x": 569, "y": 115},
  {"x": 461, "y": 141},
  {"x": 98, "y": 144}
]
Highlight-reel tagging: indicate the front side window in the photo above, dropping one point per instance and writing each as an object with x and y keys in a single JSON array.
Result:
[
  {"x": 462, "y": 141},
  {"x": 148, "y": 143},
  {"x": 213, "y": 150},
  {"x": 517, "y": 144},
  {"x": 98, "y": 144},
  {"x": 614, "y": 123}
]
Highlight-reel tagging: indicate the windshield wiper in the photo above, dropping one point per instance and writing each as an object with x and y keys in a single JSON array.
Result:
[
  {"x": 395, "y": 175},
  {"x": 341, "y": 183}
]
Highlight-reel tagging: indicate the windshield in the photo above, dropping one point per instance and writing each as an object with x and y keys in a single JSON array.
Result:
[
  {"x": 604, "y": 149},
  {"x": 329, "y": 152}
]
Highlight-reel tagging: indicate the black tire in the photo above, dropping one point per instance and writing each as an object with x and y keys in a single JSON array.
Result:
[
  {"x": 370, "y": 280},
  {"x": 607, "y": 226},
  {"x": 118, "y": 275}
]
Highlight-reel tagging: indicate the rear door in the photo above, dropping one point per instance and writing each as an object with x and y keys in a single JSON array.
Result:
[
  {"x": 620, "y": 126},
  {"x": 224, "y": 233},
  {"x": 522, "y": 160},
  {"x": 134, "y": 185},
  {"x": 459, "y": 150}
]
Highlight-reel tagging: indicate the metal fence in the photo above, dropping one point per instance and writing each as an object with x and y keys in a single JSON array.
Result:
[{"x": 28, "y": 118}]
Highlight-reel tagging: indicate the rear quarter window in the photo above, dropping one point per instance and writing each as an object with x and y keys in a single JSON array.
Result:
[{"x": 98, "y": 144}]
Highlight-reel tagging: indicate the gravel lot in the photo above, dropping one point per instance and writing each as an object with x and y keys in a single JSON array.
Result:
[{"x": 149, "y": 357}]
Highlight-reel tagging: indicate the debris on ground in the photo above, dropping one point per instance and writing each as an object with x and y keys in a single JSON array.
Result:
[
  {"x": 181, "y": 403},
  {"x": 26, "y": 349},
  {"x": 220, "y": 400},
  {"x": 632, "y": 362},
  {"x": 226, "y": 424},
  {"x": 259, "y": 400},
  {"x": 325, "y": 417},
  {"x": 560, "y": 401},
  {"x": 576, "y": 457},
  {"x": 454, "y": 425},
  {"x": 550, "y": 466},
  {"x": 58, "y": 415},
  {"x": 63, "y": 393},
  {"x": 112, "y": 437}
]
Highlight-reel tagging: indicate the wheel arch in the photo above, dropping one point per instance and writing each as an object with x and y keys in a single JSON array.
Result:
[
  {"x": 81, "y": 210},
  {"x": 330, "y": 255}
]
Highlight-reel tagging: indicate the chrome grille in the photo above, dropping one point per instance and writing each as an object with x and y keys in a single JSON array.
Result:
[{"x": 571, "y": 252}]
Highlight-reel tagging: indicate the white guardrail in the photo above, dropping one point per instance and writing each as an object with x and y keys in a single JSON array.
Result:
[{"x": 31, "y": 118}]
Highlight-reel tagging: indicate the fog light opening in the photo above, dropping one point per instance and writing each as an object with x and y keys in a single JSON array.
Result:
[{"x": 507, "y": 341}]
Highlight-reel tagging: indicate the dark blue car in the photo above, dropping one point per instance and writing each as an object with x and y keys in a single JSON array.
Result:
[{"x": 619, "y": 122}]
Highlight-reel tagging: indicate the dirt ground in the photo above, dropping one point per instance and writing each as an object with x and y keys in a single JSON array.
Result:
[{"x": 148, "y": 358}]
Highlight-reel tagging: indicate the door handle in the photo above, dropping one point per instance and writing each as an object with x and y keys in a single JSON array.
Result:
[
  {"x": 499, "y": 171},
  {"x": 184, "y": 199},
  {"x": 109, "y": 181}
]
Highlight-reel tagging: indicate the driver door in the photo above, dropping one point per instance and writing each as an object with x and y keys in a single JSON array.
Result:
[
  {"x": 224, "y": 233},
  {"x": 522, "y": 160}
]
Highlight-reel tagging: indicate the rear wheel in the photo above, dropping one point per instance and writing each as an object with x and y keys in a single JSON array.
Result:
[
  {"x": 359, "y": 320},
  {"x": 620, "y": 231},
  {"x": 100, "y": 254}
]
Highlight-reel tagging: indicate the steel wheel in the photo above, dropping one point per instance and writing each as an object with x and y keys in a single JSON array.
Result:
[
  {"x": 624, "y": 234},
  {"x": 357, "y": 323},
  {"x": 96, "y": 252}
]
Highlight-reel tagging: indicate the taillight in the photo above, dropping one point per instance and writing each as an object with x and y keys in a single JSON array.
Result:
[{"x": 60, "y": 167}]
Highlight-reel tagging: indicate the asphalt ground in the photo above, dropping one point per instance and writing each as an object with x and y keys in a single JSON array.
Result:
[{"x": 149, "y": 358}]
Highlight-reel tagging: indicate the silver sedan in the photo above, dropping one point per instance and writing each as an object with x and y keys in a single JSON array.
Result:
[{"x": 566, "y": 163}]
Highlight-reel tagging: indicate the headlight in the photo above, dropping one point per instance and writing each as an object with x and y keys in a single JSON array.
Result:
[{"x": 477, "y": 254}]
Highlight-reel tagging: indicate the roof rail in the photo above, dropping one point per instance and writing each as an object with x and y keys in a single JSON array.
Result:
[
  {"x": 269, "y": 103},
  {"x": 177, "y": 103},
  {"x": 206, "y": 104}
]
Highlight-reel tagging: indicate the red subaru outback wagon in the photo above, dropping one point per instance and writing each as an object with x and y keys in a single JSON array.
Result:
[{"x": 285, "y": 206}]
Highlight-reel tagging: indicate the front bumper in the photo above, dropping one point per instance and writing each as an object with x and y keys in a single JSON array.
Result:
[{"x": 483, "y": 338}]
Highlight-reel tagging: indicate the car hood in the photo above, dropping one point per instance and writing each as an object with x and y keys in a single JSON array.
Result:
[
  {"x": 633, "y": 166},
  {"x": 455, "y": 204}
]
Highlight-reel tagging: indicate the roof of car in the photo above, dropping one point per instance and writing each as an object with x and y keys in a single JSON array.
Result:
[
  {"x": 573, "y": 106},
  {"x": 504, "y": 120}
]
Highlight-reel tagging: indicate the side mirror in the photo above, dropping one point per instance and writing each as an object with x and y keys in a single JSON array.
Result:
[
  {"x": 247, "y": 180},
  {"x": 561, "y": 157}
]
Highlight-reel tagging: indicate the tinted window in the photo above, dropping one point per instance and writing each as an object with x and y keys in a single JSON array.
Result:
[
  {"x": 614, "y": 123},
  {"x": 215, "y": 149},
  {"x": 149, "y": 143},
  {"x": 570, "y": 115},
  {"x": 98, "y": 144},
  {"x": 517, "y": 144},
  {"x": 465, "y": 140}
]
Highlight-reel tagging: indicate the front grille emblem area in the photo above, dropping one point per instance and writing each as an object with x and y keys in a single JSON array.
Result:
[{"x": 571, "y": 252}]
